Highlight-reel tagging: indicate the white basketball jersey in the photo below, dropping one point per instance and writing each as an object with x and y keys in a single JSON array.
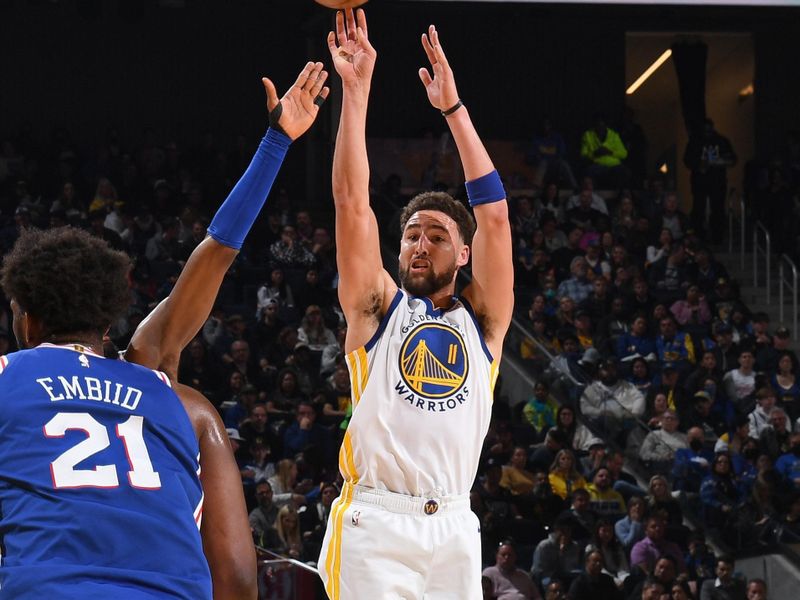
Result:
[{"x": 422, "y": 399}]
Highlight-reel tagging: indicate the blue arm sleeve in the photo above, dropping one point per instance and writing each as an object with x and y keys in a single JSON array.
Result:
[{"x": 237, "y": 214}]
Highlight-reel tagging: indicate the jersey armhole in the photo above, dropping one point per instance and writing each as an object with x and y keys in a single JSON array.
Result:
[
  {"x": 162, "y": 377},
  {"x": 471, "y": 313},
  {"x": 384, "y": 321}
]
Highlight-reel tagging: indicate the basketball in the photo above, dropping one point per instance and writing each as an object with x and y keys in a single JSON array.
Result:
[{"x": 340, "y": 4}]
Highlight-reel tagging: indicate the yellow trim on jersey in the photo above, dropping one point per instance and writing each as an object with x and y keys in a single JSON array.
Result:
[
  {"x": 494, "y": 371},
  {"x": 357, "y": 364},
  {"x": 333, "y": 561}
]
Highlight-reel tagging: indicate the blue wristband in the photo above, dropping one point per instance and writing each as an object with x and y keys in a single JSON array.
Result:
[
  {"x": 237, "y": 214},
  {"x": 486, "y": 189}
]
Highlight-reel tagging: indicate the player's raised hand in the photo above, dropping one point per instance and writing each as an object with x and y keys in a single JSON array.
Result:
[
  {"x": 353, "y": 55},
  {"x": 441, "y": 87},
  {"x": 296, "y": 111}
]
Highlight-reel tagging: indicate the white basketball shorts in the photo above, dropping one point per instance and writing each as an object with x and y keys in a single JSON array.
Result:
[{"x": 385, "y": 546}]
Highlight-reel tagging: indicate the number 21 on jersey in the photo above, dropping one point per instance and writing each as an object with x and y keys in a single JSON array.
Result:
[{"x": 130, "y": 433}]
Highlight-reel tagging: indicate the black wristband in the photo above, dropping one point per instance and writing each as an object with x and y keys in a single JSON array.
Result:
[
  {"x": 274, "y": 116},
  {"x": 453, "y": 108}
]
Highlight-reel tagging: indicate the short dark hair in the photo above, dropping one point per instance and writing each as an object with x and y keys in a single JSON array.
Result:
[
  {"x": 68, "y": 278},
  {"x": 443, "y": 202}
]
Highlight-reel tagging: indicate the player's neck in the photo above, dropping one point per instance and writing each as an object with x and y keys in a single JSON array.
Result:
[
  {"x": 442, "y": 299},
  {"x": 83, "y": 339}
]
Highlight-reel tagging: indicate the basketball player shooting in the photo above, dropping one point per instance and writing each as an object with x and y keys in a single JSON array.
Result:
[{"x": 423, "y": 362}]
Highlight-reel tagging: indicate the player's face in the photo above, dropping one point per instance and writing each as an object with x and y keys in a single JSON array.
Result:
[{"x": 431, "y": 252}]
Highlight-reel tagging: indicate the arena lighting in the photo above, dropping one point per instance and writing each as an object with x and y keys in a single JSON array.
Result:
[{"x": 649, "y": 71}]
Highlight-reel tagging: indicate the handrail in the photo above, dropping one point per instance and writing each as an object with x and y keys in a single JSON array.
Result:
[
  {"x": 285, "y": 559},
  {"x": 785, "y": 260},
  {"x": 767, "y": 250}
]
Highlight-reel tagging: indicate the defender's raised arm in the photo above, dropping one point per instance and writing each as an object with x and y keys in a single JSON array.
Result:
[{"x": 160, "y": 338}]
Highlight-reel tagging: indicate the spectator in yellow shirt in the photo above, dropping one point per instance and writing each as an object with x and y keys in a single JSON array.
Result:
[{"x": 604, "y": 150}]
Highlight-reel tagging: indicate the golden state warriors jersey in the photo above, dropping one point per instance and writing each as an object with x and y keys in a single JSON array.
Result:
[{"x": 422, "y": 399}]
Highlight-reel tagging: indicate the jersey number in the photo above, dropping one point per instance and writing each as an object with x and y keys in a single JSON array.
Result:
[{"x": 65, "y": 475}]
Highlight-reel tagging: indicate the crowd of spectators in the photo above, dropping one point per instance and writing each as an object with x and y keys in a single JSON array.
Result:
[{"x": 635, "y": 335}]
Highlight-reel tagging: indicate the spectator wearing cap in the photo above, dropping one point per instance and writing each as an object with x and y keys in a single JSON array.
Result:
[
  {"x": 312, "y": 330},
  {"x": 613, "y": 404},
  {"x": 596, "y": 457},
  {"x": 740, "y": 384},
  {"x": 674, "y": 346},
  {"x": 660, "y": 445},
  {"x": 702, "y": 415},
  {"x": 508, "y": 581},
  {"x": 578, "y": 287},
  {"x": 557, "y": 556},
  {"x": 605, "y": 501},
  {"x": 767, "y": 358}
]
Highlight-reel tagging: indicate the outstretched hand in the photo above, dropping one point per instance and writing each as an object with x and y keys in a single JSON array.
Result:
[
  {"x": 300, "y": 104},
  {"x": 441, "y": 88},
  {"x": 353, "y": 56}
]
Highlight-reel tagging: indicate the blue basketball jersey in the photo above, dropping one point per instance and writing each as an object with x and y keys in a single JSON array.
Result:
[{"x": 100, "y": 495}]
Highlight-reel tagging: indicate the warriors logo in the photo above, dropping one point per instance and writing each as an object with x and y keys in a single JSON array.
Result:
[{"x": 434, "y": 361}]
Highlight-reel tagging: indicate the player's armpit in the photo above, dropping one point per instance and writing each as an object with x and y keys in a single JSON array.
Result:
[
  {"x": 165, "y": 332},
  {"x": 225, "y": 530}
]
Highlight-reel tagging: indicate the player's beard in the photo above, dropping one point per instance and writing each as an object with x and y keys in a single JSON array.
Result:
[{"x": 427, "y": 284}]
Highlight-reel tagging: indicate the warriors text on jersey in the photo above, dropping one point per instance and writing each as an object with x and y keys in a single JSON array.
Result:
[
  {"x": 100, "y": 494},
  {"x": 422, "y": 399}
]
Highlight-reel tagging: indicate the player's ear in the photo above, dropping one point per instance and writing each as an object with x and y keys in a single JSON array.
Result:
[{"x": 463, "y": 256}]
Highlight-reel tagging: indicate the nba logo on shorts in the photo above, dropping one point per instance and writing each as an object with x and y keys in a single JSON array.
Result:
[
  {"x": 354, "y": 519},
  {"x": 434, "y": 361},
  {"x": 431, "y": 506}
]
